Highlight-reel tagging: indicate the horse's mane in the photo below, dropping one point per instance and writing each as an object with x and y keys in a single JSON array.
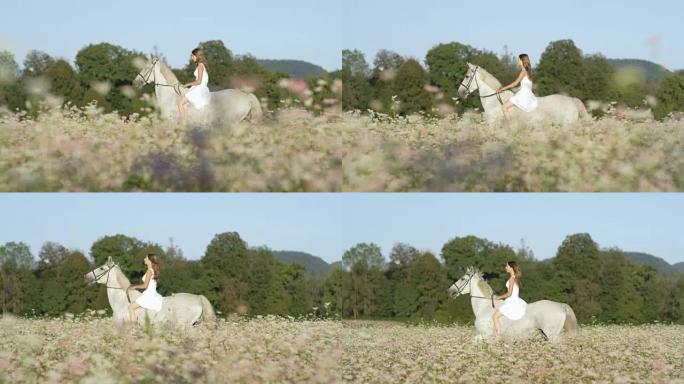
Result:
[
  {"x": 482, "y": 283},
  {"x": 489, "y": 78},
  {"x": 122, "y": 279},
  {"x": 485, "y": 288},
  {"x": 168, "y": 73}
]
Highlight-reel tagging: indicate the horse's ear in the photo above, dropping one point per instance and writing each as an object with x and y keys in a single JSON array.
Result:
[
  {"x": 109, "y": 259},
  {"x": 469, "y": 65}
]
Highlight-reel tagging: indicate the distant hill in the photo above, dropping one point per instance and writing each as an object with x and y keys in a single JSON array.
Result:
[
  {"x": 313, "y": 264},
  {"x": 679, "y": 267},
  {"x": 295, "y": 68},
  {"x": 653, "y": 72},
  {"x": 661, "y": 266}
]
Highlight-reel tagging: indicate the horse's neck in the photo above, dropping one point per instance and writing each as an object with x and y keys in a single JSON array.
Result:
[
  {"x": 117, "y": 294},
  {"x": 166, "y": 96},
  {"x": 479, "y": 304},
  {"x": 491, "y": 102}
]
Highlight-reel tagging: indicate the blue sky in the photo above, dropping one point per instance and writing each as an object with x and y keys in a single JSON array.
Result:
[
  {"x": 327, "y": 224},
  {"x": 270, "y": 29},
  {"x": 650, "y": 30}
]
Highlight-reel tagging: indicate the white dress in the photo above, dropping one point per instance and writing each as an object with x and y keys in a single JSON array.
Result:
[
  {"x": 525, "y": 99},
  {"x": 513, "y": 307},
  {"x": 199, "y": 95},
  {"x": 150, "y": 299}
]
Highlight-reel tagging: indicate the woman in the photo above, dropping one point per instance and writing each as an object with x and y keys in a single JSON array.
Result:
[
  {"x": 513, "y": 306},
  {"x": 149, "y": 299},
  {"x": 524, "y": 99},
  {"x": 199, "y": 94}
]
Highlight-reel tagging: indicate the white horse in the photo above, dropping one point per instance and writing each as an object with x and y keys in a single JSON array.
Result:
[
  {"x": 228, "y": 106},
  {"x": 558, "y": 109},
  {"x": 551, "y": 318},
  {"x": 180, "y": 308}
]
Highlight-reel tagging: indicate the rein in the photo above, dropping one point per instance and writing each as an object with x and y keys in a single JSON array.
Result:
[
  {"x": 153, "y": 73},
  {"x": 459, "y": 290}
]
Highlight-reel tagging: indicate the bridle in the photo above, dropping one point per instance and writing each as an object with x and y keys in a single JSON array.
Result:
[
  {"x": 97, "y": 277},
  {"x": 152, "y": 73},
  {"x": 470, "y": 81},
  {"x": 459, "y": 290}
]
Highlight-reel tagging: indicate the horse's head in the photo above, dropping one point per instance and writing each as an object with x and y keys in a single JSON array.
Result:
[
  {"x": 462, "y": 285},
  {"x": 469, "y": 83},
  {"x": 147, "y": 71},
  {"x": 101, "y": 274}
]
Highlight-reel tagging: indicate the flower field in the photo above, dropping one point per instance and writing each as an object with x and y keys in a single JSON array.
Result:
[
  {"x": 392, "y": 353},
  {"x": 463, "y": 154},
  {"x": 83, "y": 150},
  {"x": 270, "y": 349},
  {"x": 95, "y": 351}
]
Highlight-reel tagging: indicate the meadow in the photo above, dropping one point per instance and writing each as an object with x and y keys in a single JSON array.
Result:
[
  {"x": 464, "y": 154},
  {"x": 71, "y": 149},
  {"x": 270, "y": 349},
  {"x": 93, "y": 350},
  {"x": 378, "y": 352}
]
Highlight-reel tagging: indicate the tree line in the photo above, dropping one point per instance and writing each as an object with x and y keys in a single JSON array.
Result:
[
  {"x": 399, "y": 85},
  {"x": 233, "y": 276},
  {"x": 600, "y": 284},
  {"x": 104, "y": 73}
]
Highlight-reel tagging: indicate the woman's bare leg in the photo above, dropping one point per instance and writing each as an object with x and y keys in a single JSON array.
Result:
[
  {"x": 131, "y": 311},
  {"x": 497, "y": 324},
  {"x": 505, "y": 107},
  {"x": 183, "y": 107}
]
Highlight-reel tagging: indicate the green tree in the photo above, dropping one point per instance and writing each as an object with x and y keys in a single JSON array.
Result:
[
  {"x": 429, "y": 282},
  {"x": 112, "y": 65},
  {"x": 355, "y": 62},
  {"x": 51, "y": 254},
  {"x": 598, "y": 74},
  {"x": 364, "y": 261},
  {"x": 337, "y": 292},
  {"x": 560, "y": 70},
  {"x": 670, "y": 95},
  {"x": 15, "y": 261},
  {"x": 387, "y": 60},
  {"x": 460, "y": 253},
  {"x": 410, "y": 88},
  {"x": 128, "y": 252},
  {"x": 447, "y": 66},
  {"x": 357, "y": 93},
  {"x": 65, "y": 82},
  {"x": 37, "y": 63},
  {"x": 226, "y": 262},
  {"x": 403, "y": 254},
  {"x": 12, "y": 92}
]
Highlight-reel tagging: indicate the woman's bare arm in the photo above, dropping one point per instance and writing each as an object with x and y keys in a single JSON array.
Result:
[
  {"x": 510, "y": 289},
  {"x": 200, "y": 73},
  {"x": 144, "y": 285},
  {"x": 515, "y": 83}
]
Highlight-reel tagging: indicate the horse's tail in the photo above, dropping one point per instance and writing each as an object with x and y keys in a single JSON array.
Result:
[
  {"x": 255, "y": 111},
  {"x": 582, "y": 110},
  {"x": 208, "y": 311},
  {"x": 570, "y": 324}
]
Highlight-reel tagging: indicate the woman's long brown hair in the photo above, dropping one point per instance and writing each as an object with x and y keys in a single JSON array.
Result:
[
  {"x": 526, "y": 64},
  {"x": 155, "y": 265},
  {"x": 516, "y": 271},
  {"x": 199, "y": 54}
]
